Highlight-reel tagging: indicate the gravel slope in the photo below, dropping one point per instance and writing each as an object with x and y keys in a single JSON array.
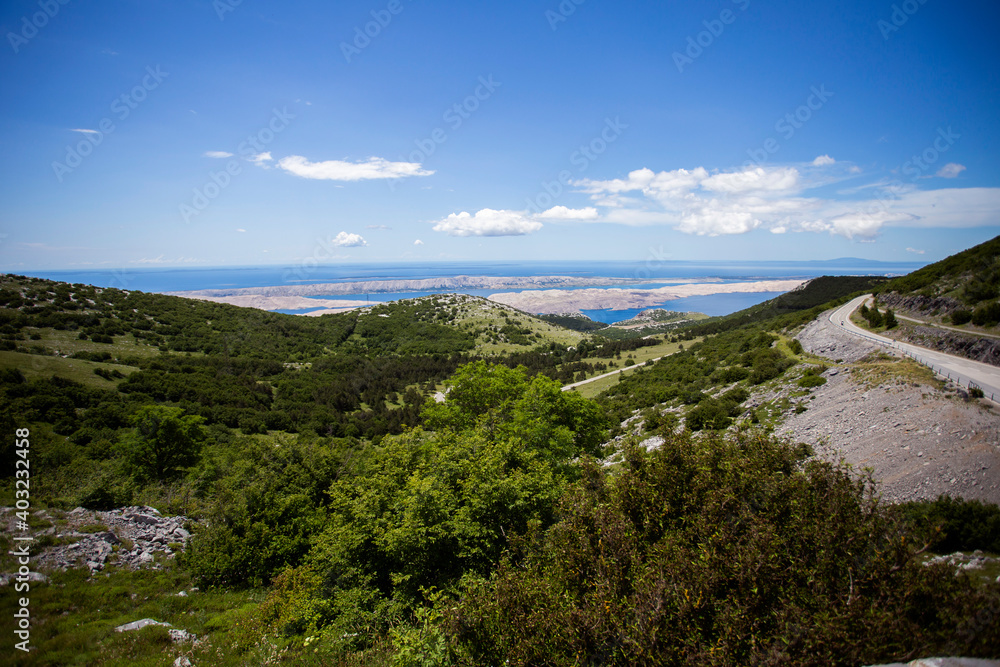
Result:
[{"x": 920, "y": 441}]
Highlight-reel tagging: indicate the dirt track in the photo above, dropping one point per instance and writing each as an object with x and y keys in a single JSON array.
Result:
[{"x": 920, "y": 441}]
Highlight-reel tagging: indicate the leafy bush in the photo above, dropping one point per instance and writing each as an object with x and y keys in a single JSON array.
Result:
[
  {"x": 961, "y": 316},
  {"x": 719, "y": 551},
  {"x": 956, "y": 524},
  {"x": 988, "y": 315},
  {"x": 808, "y": 381}
]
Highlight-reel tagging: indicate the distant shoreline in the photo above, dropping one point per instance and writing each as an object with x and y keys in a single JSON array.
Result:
[{"x": 538, "y": 294}]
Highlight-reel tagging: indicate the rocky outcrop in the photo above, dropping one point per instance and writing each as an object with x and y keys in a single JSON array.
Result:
[
  {"x": 986, "y": 350},
  {"x": 130, "y": 537},
  {"x": 176, "y": 634},
  {"x": 921, "y": 305}
]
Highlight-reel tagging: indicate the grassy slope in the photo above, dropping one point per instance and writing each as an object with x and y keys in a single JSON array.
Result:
[{"x": 952, "y": 275}]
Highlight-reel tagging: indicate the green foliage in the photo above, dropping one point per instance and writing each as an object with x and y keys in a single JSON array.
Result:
[
  {"x": 476, "y": 391},
  {"x": 729, "y": 357},
  {"x": 956, "y": 524},
  {"x": 810, "y": 381},
  {"x": 164, "y": 440},
  {"x": 987, "y": 315},
  {"x": 423, "y": 511},
  {"x": 872, "y": 315},
  {"x": 268, "y": 503},
  {"x": 795, "y": 346},
  {"x": 574, "y": 322},
  {"x": 961, "y": 316},
  {"x": 977, "y": 270},
  {"x": 503, "y": 404},
  {"x": 718, "y": 551},
  {"x": 424, "y": 644}
]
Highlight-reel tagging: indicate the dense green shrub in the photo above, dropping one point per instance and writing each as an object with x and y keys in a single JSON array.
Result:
[
  {"x": 956, "y": 524},
  {"x": 961, "y": 316},
  {"x": 988, "y": 315},
  {"x": 808, "y": 381},
  {"x": 720, "y": 551}
]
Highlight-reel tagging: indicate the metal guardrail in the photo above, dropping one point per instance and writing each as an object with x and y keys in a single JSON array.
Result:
[{"x": 942, "y": 372}]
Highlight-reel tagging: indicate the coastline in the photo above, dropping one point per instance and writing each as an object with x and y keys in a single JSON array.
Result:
[{"x": 539, "y": 294}]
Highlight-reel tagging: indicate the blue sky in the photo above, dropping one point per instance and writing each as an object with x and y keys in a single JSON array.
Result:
[{"x": 208, "y": 133}]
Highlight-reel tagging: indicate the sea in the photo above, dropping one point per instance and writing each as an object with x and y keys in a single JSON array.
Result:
[{"x": 645, "y": 274}]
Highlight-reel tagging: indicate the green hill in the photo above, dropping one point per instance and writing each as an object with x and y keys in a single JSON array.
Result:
[
  {"x": 972, "y": 276},
  {"x": 797, "y": 304},
  {"x": 957, "y": 290}
]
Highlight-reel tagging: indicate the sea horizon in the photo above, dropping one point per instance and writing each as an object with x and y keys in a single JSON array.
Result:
[{"x": 181, "y": 279}]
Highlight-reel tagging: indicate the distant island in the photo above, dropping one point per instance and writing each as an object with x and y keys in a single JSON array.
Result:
[
  {"x": 539, "y": 294},
  {"x": 552, "y": 301}
]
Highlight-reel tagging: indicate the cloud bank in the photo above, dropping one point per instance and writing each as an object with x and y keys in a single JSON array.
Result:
[
  {"x": 340, "y": 170},
  {"x": 488, "y": 222},
  {"x": 785, "y": 199}
]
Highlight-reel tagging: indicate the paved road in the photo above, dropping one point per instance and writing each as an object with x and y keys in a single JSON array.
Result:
[
  {"x": 948, "y": 366},
  {"x": 637, "y": 365},
  {"x": 941, "y": 326}
]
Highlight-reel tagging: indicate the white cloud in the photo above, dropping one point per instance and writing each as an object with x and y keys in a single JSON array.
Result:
[
  {"x": 339, "y": 170},
  {"x": 782, "y": 200},
  {"x": 488, "y": 222},
  {"x": 241, "y": 230},
  {"x": 753, "y": 180},
  {"x": 563, "y": 213},
  {"x": 218, "y": 154},
  {"x": 84, "y": 131},
  {"x": 951, "y": 170},
  {"x": 861, "y": 223},
  {"x": 260, "y": 158},
  {"x": 345, "y": 240},
  {"x": 378, "y": 227},
  {"x": 949, "y": 207},
  {"x": 418, "y": 242},
  {"x": 915, "y": 251}
]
